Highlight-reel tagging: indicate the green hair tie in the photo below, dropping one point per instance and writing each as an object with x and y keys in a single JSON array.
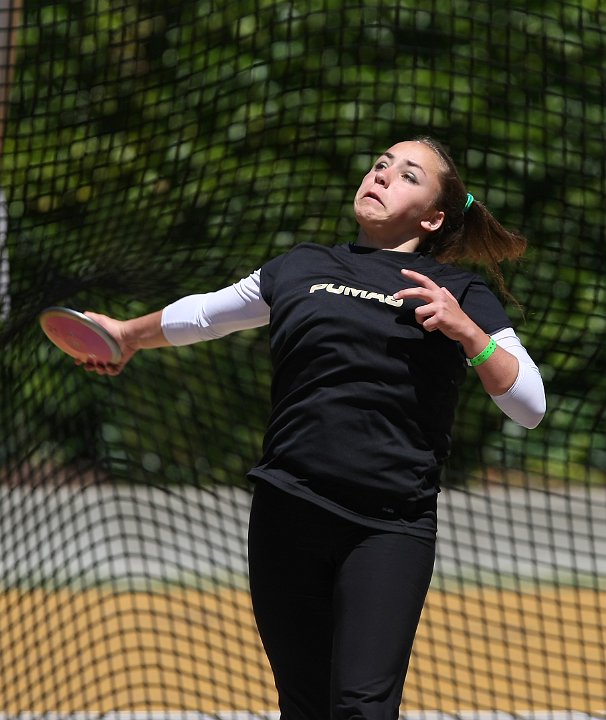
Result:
[{"x": 470, "y": 199}]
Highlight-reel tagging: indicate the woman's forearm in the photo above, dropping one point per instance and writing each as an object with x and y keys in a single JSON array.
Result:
[{"x": 145, "y": 332}]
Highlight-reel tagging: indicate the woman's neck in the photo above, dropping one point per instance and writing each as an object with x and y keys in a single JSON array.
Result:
[{"x": 397, "y": 244}]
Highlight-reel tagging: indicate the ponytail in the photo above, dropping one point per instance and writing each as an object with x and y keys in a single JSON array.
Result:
[{"x": 469, "y": 231}]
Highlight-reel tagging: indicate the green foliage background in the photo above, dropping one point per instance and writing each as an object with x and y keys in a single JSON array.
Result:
[{"x": 158, "y": 149}]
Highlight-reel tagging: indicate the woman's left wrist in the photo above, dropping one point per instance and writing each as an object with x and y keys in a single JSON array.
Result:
[
  {"x": 483, "y": 355},
  {"x": 475, "y": 344}
]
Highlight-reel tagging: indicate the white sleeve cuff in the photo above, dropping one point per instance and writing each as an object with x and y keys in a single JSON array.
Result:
[
  {"x": 212, "y": 315},
  {"x": 524, "y": 402}
]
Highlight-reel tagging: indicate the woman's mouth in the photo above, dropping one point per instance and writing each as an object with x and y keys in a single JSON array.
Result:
[{"x": 373, "y": 196}]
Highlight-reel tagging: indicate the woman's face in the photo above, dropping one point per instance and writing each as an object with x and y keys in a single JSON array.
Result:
[{"x": 396, "y": 199}]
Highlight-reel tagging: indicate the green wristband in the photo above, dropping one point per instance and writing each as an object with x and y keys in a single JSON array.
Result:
[{"x": 484, "y": 355}]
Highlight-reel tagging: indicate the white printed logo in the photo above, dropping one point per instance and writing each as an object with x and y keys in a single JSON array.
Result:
[{"x": 355, "y": 292}]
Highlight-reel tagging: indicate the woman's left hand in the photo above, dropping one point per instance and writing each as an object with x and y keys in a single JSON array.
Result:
[{"x": 441, "y": 310}]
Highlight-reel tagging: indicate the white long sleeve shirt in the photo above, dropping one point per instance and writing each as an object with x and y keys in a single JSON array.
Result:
[{"x": 240, "y": 306}]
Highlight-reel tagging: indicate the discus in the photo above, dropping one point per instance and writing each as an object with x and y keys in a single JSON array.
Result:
[{"x": 80, "y": 337}]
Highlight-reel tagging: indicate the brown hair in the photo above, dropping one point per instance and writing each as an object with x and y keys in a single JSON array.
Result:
[{"x": 471, "y": 234}]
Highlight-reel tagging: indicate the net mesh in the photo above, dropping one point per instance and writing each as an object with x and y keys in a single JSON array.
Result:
[{"x": 153, "y": 149}]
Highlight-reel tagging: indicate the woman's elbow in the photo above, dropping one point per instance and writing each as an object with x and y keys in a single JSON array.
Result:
[{"x": 534, "y": 413}]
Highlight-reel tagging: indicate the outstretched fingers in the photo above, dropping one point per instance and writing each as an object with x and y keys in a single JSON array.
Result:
[
  {"x": 426, "y": 289},
  {"x": 440, "y": 311}
]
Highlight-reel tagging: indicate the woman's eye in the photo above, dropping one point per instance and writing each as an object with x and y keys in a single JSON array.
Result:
[
  {"x": 381, "y": 165},
  {"x": 410, "y": 177}
]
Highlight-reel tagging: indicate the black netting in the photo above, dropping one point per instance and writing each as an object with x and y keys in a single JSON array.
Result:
[{"x": 154, "y": 149}]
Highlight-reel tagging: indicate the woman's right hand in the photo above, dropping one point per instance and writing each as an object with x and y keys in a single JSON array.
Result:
[{"x": 116, "y": 328}]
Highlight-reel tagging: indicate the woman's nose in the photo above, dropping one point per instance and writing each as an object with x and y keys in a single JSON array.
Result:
[{"x": 381, "y": 178}]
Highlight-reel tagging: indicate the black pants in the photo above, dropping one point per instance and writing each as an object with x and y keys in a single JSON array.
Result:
[{"x": 337, "y": 605}]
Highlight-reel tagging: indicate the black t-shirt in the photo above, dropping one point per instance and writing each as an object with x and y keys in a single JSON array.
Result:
[{"x": 363, "y": 398}]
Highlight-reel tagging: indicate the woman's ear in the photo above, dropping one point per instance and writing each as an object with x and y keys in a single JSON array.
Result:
[{"x": 434, "y": 222}]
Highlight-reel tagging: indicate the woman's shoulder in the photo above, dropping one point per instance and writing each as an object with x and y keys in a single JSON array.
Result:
[{"x": 450, "y": 270}]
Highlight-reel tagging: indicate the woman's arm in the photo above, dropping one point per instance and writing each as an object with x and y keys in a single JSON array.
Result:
[
  {"x": 508, "y": 375},
  {"x": 213, "y": 315},
  {"x": 524, "y": 402},
  {"x": 191, "y": 319}
]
